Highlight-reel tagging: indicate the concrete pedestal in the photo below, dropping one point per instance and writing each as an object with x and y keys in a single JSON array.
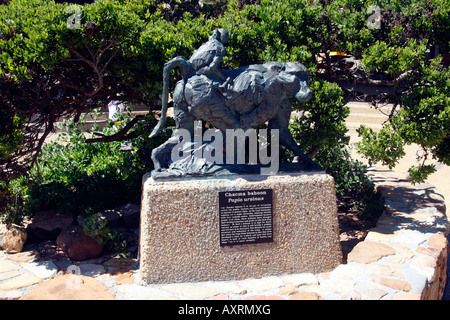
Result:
[{"x": 179, "y": 239}]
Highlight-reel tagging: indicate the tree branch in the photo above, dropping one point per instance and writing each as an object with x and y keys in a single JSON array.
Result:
[{"x": 121, "y": 135}]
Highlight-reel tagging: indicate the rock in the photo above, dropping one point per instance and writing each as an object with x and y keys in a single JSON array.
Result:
[
  {"x": 266, "y": 283},
  {"x": 239, "y": 290},
  {"x": 7, "y": 266},
  {"x": 219, "y": 297},
  {"x": 9, "y": 275},
  {"x": 49, "y": 250},
  {"x": 136, "y": 292},
  {"x": 438, "y": 242},
  {"x": 124, "y": 276},
  {"x": 48, "y": 224},
  {"x": 24, "y": 280},
  {"x": 301, "y": 279},
  {"x": 395, "y": 284},
  {"x": 333, "y": 289},
  {"x": 10, "y": 295},
  {"x": 401, "y": 258},
  {"x": 401, "y": 295},
  {"x": 225, "y": 286},
  {"x": 12, "y": 238},
  {"x": 112, "y": 216},
  {"x": 70, "y": 287},
  {"x": 369, "y": 251},
  {"x": 409, "y": 238},
  {"x": 381, "y": 234},
  {"x": 130, "y": 214},
  {"x": 386, "y": 270},
  {"x": 370, "y": 290},
  {"x": 262, "y": 297},
  {"x": 64, "y": 265},
  {"x": 347, "y": 272},
  {"x": 287, "y": 291},
  {"x": 116, "y": 263},
  {"x": 25, "y": 256},
  {"x": 425, "y": 265},
  {"x": 306, "y": 296},
  {"x": 91, "y": 270},
  {"x": 191, "y": 291},
  {"x": 77, "y": 245}
]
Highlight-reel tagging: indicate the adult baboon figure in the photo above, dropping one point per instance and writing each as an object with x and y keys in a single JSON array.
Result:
[{"x": 242, "y": 98}]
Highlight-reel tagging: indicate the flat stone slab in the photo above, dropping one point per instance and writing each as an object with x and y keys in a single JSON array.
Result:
[
  {"x": 41, "y": 269},
  {"x": 137, "y": 292},
  {"x": 301, "y": 279},
  {"x": 6, "y": 266},
  {"x": 10, "y": 295},
  {"x": 22, "y": 281},
  {"x": 70, "y": 287},
  {"x": 191, "y": 291},
  {"x": 369, "y": 251},
  {"x": 180, "y": 240}
]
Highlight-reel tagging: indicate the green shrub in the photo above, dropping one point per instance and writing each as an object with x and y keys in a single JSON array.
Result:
[
  {"x": 423, "y": 115},
  {"x": 83, "y": 178},
  {"x": 323, "y": 121},
  {"x": 385, "y": 146},
  {"x": 11, "y": 134},
  {"x": 354, "y": 189}
]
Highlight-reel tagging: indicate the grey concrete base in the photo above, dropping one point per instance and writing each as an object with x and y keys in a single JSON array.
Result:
[{"x": 179, "y": 239}]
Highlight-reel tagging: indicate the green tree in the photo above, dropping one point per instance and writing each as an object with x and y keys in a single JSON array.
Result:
[{"x": 50, "y": 68}]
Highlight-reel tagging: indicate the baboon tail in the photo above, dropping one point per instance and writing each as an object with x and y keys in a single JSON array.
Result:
[{"x": 185, "y": 67}]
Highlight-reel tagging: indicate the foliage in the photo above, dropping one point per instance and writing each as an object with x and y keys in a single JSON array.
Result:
[
  {"x": 97, "y": 228},
  {"x": 423, "y": 116},
  {"x": 82, "y": 178},
  {"x": 385, "y": 146},
  {"x": 398, "y": 52},
  {"x": 322, "y": 123},
  {"x": 15, "y": 200},
  {"x": 93, "y": 176},
  {"x": 394, "y": 59},
  {"x": 355, "y": 190},
  {"x": 49, "y": 70},
  {"x": 11, "y": 136}
]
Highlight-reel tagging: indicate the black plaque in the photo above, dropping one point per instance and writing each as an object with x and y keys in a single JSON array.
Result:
[{"x": 245, "y": 216}]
